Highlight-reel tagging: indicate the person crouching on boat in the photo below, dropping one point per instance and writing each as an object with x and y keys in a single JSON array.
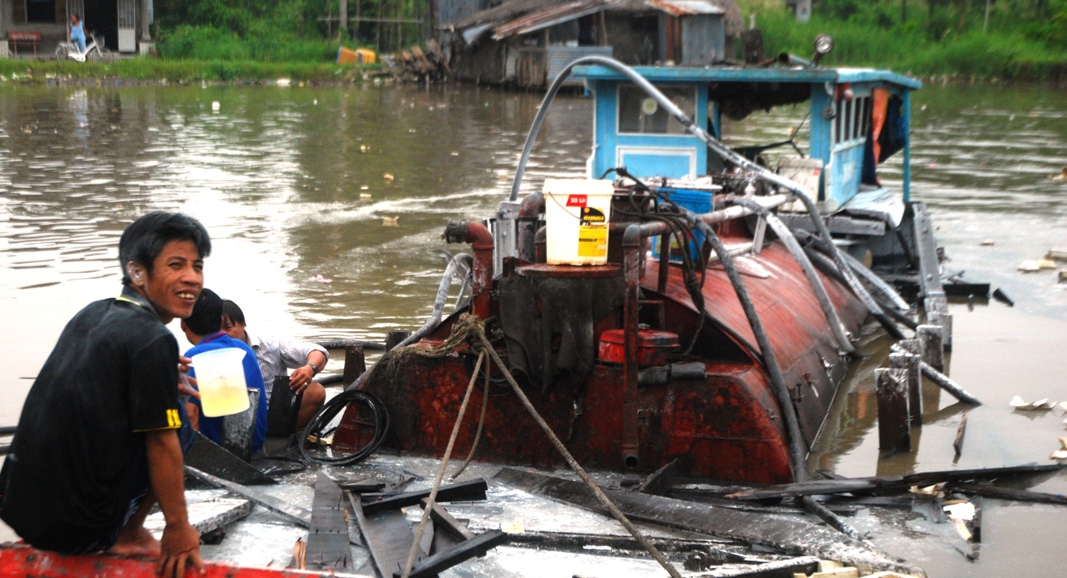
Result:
[
  {"x": 102, "y": 432},
  {"x": 203, "y": 329},
  {"x": 276, "y": 355}
]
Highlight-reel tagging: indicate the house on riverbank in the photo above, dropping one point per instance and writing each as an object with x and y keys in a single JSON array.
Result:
[
  {"x": 35, "y": 27},
  {"x": 527, "y": 43}
]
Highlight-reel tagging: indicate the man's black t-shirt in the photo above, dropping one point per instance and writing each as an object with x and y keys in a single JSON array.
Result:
[{"x": 112, "y": 375}]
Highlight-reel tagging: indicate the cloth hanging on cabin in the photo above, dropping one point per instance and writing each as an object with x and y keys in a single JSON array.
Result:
[{"x": 888, "y": 133}]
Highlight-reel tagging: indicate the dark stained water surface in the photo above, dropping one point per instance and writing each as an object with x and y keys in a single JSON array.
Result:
[{"x": 294, "y": 184}]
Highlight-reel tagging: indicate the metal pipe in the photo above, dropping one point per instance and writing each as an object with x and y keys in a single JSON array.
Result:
[
  {"x": 530, "y": 210},
  {"x": 481, "y": 241},
  {"x": 817, "y": 288},
  {"x": 631, "y": 246},
  {"x": 879, "y": 284}
]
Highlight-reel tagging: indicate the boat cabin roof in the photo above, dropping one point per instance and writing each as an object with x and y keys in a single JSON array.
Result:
[{"x": 858, "y": 117}]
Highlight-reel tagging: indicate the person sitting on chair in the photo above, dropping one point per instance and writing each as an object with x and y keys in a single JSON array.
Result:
[
  {"x": 275, "y": 355},
  {"x": 203, "y": 329}
]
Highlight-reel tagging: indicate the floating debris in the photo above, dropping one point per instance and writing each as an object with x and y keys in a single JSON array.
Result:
[
  {"x": 1029, "y": 266},
  {"x": 320, "y": 279},
  {"x": 363, "y": 148},
  {"x": 388, "y": 177},
  {"x": 1046, "y": 263},
  {"x": 1060, "y": 454},
  {"x": 390, "y": 221},
  {"x": 1063, "y": 276},
  {"x": 364, "y": 196},
  {"x": 988, "y": 243},
  {"x": 1039, "y": 405},
  {"x": 215, "y": 106},
  {"x": 1057, "y": 254},
  {"x": 1061, "y": 176},
  {"x": 284, "y": 82}
]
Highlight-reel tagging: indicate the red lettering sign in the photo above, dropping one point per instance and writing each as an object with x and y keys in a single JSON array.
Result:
[{"x": 576, "y": 200}]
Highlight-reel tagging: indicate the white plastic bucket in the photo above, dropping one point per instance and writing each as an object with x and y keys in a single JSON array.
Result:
[
  {"x": 577, "y": 214},
  {"x": 220, "y": 376}
]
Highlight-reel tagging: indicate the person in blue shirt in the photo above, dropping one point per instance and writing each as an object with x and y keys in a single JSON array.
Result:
[
  {"x": 77, "y": 32},
  {"x": 204, "y": 328}
]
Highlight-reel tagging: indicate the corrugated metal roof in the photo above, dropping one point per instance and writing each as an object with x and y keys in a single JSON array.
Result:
[
  {"x": 685, "y": 7},
  {"x": 547, "y": 18}
]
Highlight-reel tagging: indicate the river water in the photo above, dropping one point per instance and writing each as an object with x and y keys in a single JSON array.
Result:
[{"x": 301, "y": 189}]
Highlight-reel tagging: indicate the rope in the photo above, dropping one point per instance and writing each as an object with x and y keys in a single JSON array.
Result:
[
  {"x": 444, "y": 463},
  {"x": 481, "y": 426},
  {"x": 600, "y": 495}
]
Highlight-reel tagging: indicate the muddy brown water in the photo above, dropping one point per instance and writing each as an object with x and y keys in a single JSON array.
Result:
[{"x": 295, "y": 185}]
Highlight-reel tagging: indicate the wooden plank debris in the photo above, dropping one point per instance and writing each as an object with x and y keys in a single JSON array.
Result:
[
  {"x": 327, "y": 544},
  {"x": 207, "y": 456},
  {"x": 388, "y": 537},
  {"x": 883, "y": 484},
  {"x": 788, "y": 534},
  {"x": 469, "y": 490},
  {"x": 294, "y": 514},
  {"x": 446, "y": 559},
  {"x": 205, "y": 515},
  {"x": 791, "y": 567},
  {"x": 1003, "y": 493},
  {"x": 659, "y": 482}
]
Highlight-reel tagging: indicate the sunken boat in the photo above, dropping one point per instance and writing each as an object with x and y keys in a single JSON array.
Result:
[{"x": 682, "y": 301}]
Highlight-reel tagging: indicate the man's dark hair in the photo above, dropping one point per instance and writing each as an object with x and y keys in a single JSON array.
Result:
[
  {"x": 232, "y": 313},
  {"x": 206, "y": 317},
  {"x": 144, "y": 239}
]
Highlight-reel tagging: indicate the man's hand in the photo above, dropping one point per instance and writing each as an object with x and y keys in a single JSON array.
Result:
[
  {"x": 180, "y": 547},
  {"x": 186, "y": 383},
  {"x": 300, "y": 378}
]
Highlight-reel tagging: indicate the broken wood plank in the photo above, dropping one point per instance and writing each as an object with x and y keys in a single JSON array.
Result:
[
  {"x": 659, "y": 482},
  {"x": 327, "y": 544},
  {"x": 442, "y": 561},
  {"x": 447, "y": 531},
  {"x": 388, "y": 537},
  {"x": 788, "y": 534},
  {"x": 887, "y": 483},
  {"x": 470, "y": 490},
  {"x": 804, "y": 565},
  {"x": 957, "y": 444},
  {"x": 204, "y": 515},
  {"x": 580, "y": 543},
  {"x": 1002, "y": 493},
  {"x": 295, "y": 514},
  {"x": 207, "y": 456}
]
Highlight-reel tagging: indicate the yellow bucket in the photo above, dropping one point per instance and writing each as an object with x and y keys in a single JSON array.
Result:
[{"x": 357, "y": 56}]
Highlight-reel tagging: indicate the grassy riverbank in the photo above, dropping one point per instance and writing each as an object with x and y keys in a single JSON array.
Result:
[
  {"x": 1014, "y": 40},
  {"x": 261, "y": 42},
  {"x": 152, "y": 70}
]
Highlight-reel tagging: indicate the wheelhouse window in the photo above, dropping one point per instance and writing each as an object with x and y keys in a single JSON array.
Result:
[
  {"x": 853, "y": 120},
  {"x": 639, "y": 113}
]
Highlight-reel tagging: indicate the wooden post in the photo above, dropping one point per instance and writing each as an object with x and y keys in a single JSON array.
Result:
[
  {"x": 913, "y": 381},
  {"x": 894, "y": 432},
  {"x": 393, "y": 338},
  {"x": 355, "y": 363},
  {"x": 944, "y": 320},
  {"x": 342, "y": 26},
  {"x": 930, "y": 344}
]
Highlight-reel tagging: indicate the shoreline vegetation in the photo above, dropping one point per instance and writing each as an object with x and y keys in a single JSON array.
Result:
[{"x": 281, "y": 42}]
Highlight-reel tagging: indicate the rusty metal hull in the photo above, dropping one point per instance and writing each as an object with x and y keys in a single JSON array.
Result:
[{"x": 726, "y": 425}]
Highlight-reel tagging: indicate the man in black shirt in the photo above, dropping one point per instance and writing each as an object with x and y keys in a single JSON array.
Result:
[{"x": 100, "y": 439}]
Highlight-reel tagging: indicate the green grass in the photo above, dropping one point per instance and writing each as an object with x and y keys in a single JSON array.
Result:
[
  {"x": 920, "y": 46},
  {"x": 182, "y": 71}
]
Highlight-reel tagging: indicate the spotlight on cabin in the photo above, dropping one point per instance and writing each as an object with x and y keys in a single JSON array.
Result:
[{"x": 824, "y": 43}]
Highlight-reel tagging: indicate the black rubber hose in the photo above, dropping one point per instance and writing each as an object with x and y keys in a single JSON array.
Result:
[{"x": 330, "y": 410}]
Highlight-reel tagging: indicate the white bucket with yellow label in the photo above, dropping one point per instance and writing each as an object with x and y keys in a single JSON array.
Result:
[{"x": 577, "y": 214}]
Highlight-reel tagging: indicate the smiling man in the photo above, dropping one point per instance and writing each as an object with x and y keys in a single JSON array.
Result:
[{"x": 102, "y": 432}]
